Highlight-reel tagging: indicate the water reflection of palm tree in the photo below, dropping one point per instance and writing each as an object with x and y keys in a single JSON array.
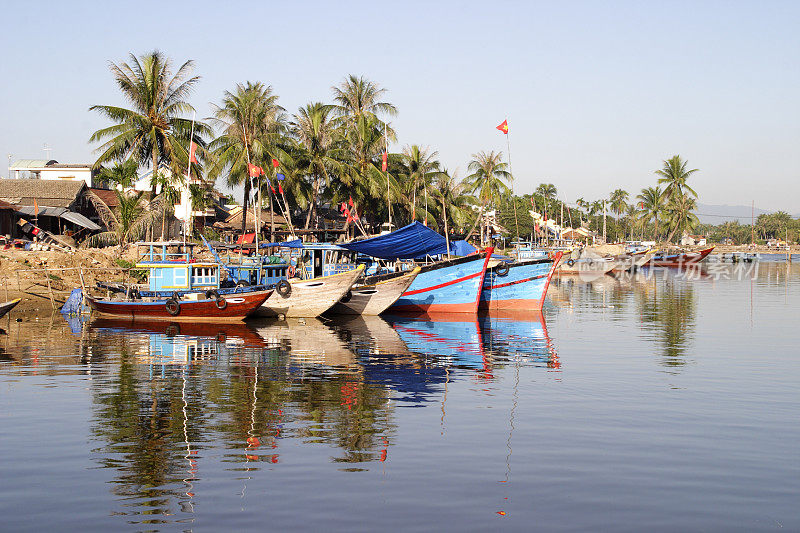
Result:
[{"x": 670, "y": 310}]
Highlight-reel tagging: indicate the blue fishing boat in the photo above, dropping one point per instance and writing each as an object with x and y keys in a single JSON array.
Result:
[
  {"x": 519, "y": 285},
  {"x": 441, "y": 286}
]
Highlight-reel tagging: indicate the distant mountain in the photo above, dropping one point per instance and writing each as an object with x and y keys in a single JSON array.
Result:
[{"x": 718, "y": 214}]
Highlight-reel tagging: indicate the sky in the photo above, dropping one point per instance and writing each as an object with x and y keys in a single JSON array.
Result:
[{"x": 597, "y": 94}]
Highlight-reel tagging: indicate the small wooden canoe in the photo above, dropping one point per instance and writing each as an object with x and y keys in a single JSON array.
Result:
[
  {"x": 227, "y": 308},
  {"x": 8, "y": 306},
  {"x": 376, "y": 294}
]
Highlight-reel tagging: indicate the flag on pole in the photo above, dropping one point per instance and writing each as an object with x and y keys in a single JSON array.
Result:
[
  {"x": 384, "y": 163},
  {"x": 280, "y": 189},
  {"x": 503, "y": 127},
  {"x": 280, "y": 176},
  {"x": 192, "y": 151},
  {"x": 350, "y": 202},
  {"x": 275, "y": 163},
  {"x": 255, "y": 170},
  {"x": 271, "y": 187}
]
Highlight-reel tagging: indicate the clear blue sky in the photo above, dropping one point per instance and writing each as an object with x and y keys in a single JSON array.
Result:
[{"x": 597, "y": 94}]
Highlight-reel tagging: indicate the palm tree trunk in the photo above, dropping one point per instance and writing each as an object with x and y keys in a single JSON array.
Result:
[
  {"x": 313, "y": 205},
  {"x": 244, "y": 204},
  {"x": 153, "y": 177}
]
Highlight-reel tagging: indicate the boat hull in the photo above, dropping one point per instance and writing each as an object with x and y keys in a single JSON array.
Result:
[
  {"x": 375, "y": 298},
  {"x": 523, "y": 287},
  {"x": 452, "y": 286},
  {"x": 310, "y": 298},
  {"x": 237, "y": 308},
  {"x": 678, "y": 260},
  {"x": 8, "y": 306}
]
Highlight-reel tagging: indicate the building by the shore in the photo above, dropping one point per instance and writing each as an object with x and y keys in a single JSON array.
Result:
[{"x": 42, "y": 169}]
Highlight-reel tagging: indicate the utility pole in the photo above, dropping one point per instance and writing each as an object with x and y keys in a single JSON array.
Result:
[
  {"x": 753, "y": 222},
  {"x": 47, "y": 151},
  {"x": 604, "y": 221}
]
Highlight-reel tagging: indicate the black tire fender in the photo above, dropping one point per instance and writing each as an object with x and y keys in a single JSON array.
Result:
[
  {"x": 242, "y": 283},
  {"x": 221, "y": 302},
  {"x": 173, "y": 307},
  {"x": 212, "y": 294},
  {"x": 502, "y": 269},
  {"x": 284, "y": 288},
  {"x": 570, "y": 262}
]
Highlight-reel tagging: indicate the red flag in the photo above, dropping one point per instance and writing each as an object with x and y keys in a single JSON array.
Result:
[
  {"x": 275, "y": 163},
  {"x": 280, "y": 189},
  {"x": 343, "y": 207},
  {"x": 192, "y": 150},
  {"x": 384, "y": 164},
  {"x": 350, "y": 202},
  {"x": 503, "y": 127},
  {"x": 254, "y": 170}
]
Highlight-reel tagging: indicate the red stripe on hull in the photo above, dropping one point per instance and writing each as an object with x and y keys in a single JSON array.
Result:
[
  {"x": 437, "y": 308},
  {"x": 527, "y": 304},
  {"x": 441, "y": 285}
]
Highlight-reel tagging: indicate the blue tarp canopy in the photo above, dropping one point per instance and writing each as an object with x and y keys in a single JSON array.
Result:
[
  {"x": 415, "y": 241},
  {"x": 296, "y": 243},
  {"x": 462, "y": 248}
]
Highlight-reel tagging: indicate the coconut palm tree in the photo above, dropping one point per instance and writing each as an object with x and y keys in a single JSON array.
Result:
[
  {"x": 134, "y": 217},
  {"x": 153, "y": 131},
  {"x": 420, "y": 168},
  {"x": 677, "y": 191},
  {"x": 455, "y": 199},
  {"x": 120, "y": 176},
  {"x": 251, "y": 124},
  {"x": 652, "y": 201},
  {"x": 618, "y": 201},
  {"x": 321, "y": 152},
  {"x": 357, "y": 96},
  {"x": 488, "y": 174}
]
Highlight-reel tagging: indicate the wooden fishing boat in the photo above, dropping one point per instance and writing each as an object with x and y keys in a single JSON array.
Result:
[
  {"x": 677, "y": 260},
  {"x": 521, "y": 285},
  {"x": 309, "y": 298},
  {"x": 8, "y": 306},
  {"x": 632, "y": 261},
  {"x": 195, "y": 308},
  {"x": 375, "y": 295},
  {"x": 589, "y": 266},
  {"x": 450, "y": 286}
]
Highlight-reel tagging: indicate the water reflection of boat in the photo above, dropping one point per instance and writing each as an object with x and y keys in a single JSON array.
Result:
[
  {"x": 518, "y": 335},
  {"x": 5, "y": 307},
  {"x": 370, "y": 335},
  {"x": 237, "y": 332},
  {"x": 306, "y": 341},
  {"x": 453, "y": 338}
]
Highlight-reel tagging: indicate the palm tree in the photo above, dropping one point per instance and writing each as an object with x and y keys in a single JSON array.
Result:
[
  {"x": 199, "y": 199},
  {"x": 488, "y": 174},
  {"x": 153, "y": 131},
  {"x": 618, "y": 204},
  {"x": 320, "y": 146},
  {"x": 455, "y": 199},
  {"x": 677, "y": 191},
  {"x": 251, "y": 122},
  {"x": 652, "y": 202},
  {"x": 168, "y": 185},
  {"x": 133, "y": 219},
  {"x": 357, "y": 96},
  {"x": 421, "y": 165},
  {"x": 120, "y": 176}
]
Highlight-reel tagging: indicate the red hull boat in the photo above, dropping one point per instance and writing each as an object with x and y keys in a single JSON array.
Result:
[
  {"x": 677, "y": 260},
  {"x": 225, "y": 308}
]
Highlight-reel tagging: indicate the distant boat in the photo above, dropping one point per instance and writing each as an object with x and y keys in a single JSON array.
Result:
[
  {"x": 376, "y": 294},
  {"x": 521, "y": 285},
  {"x": 196, "y": 308},
  {"x": 682, "y": 259},
  {"x": 8, "y": 306}
]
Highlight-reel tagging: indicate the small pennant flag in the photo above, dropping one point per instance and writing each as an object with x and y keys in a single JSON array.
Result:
[
  {"x": 503, "y": 127},
  {"x": 272, "y": 188},
  {"x": 350, "y": 202},
  {"x": 280, "y": 177},
  {"x": 192, "y": 150},
  {"x": 255, "y": 170},
  {"x": 343, "y": 207},
  {"x": 275, "y": 163},
  {"x": 280, "y": 189},
  {"x": 384, "y": 164}
]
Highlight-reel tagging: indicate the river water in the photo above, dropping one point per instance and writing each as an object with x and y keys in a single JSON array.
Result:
[{"x": 664, "y": 401}]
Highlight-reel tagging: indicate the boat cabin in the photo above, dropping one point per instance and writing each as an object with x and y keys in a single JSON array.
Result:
[{"x": 172, "y": 267}]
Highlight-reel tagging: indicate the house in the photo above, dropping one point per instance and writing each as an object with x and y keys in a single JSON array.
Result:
[
  {"x": 59, "y": 207},
  {"x": 43, "y": 169},
  {"x": 8, "y": 216},
  {"x": 692, "y": 240}
]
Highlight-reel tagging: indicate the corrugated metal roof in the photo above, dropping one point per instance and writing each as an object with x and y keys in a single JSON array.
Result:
[{"x": 31, "y": 163}]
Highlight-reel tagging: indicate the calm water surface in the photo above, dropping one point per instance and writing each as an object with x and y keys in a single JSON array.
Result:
[{"x": 657, "y": 402}]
